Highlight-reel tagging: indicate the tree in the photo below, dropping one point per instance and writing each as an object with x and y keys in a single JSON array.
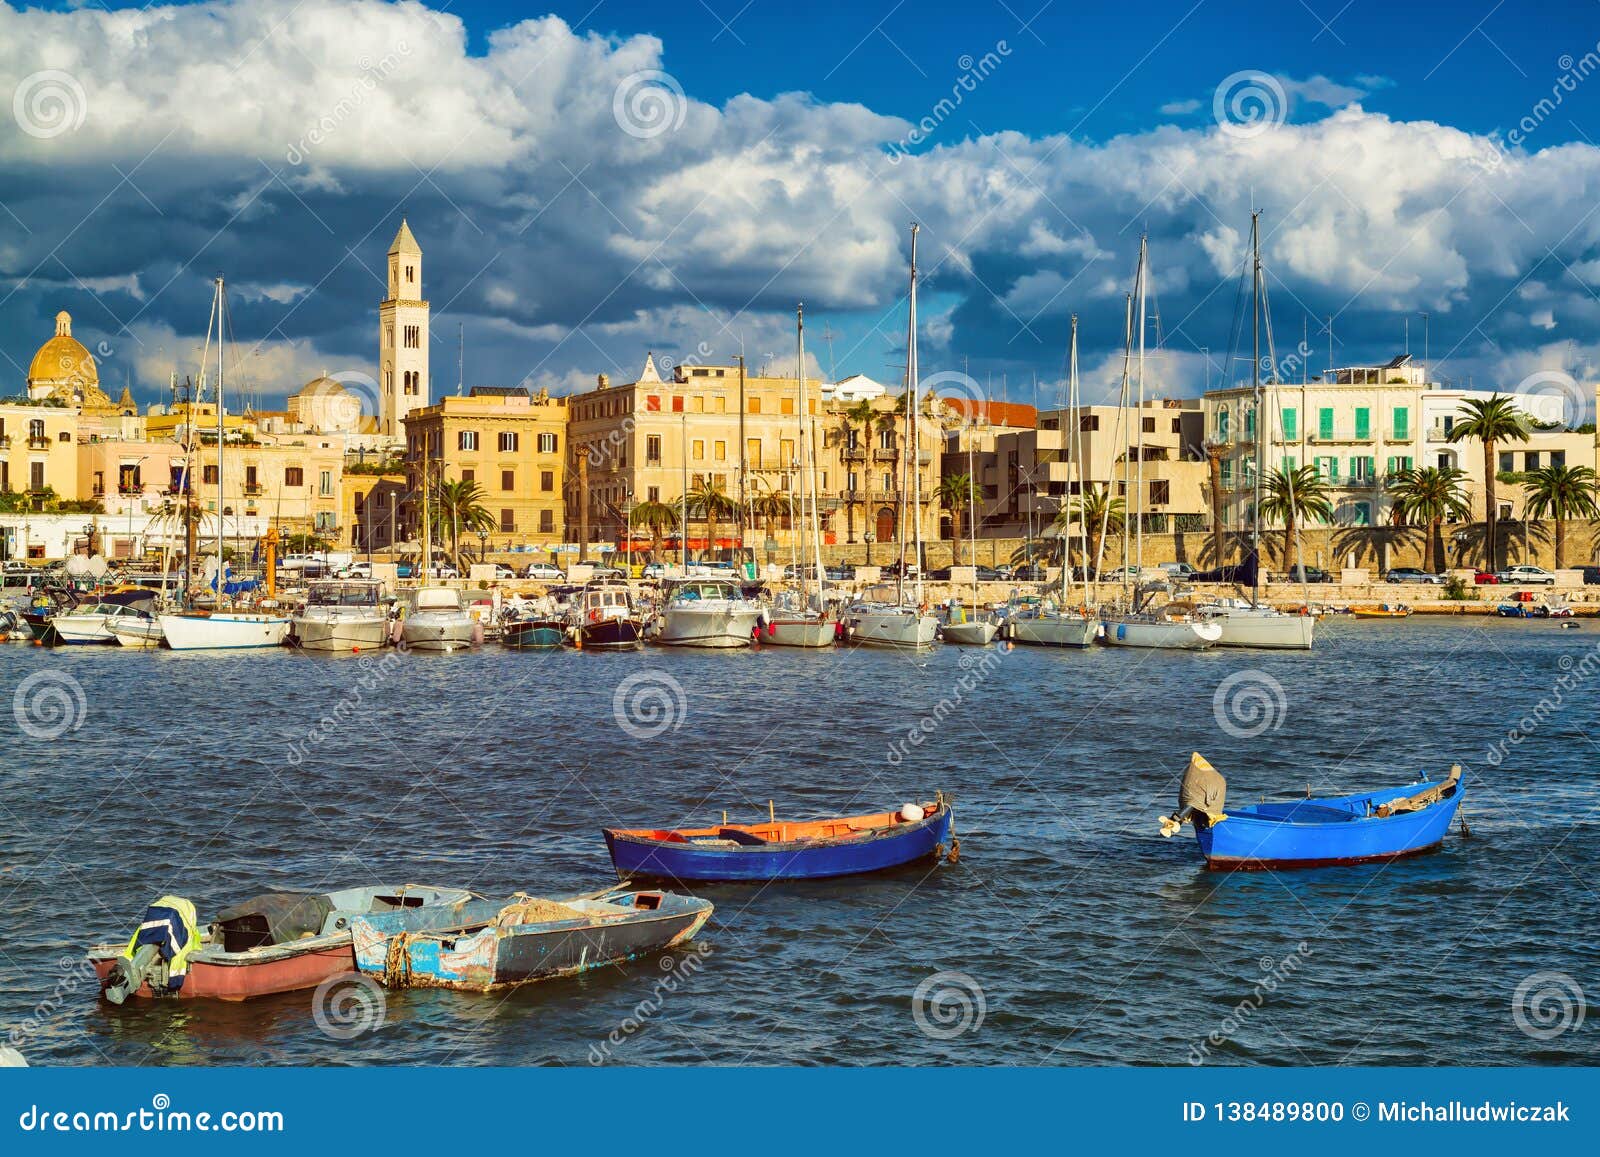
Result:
[
  {"x": 458, "y": 507},
  {"x": 770, "y": 505},
  {"x": 657, "y": 518},
  {"x": 304, "y": 544},
  {"x": 1489, "y": 422},
  {"x": 956, "y": 493},
  {"x": 710, "y": 501},
  {"x": 860, "y": 412},
  {"x": 1215, "y": 452},
  {"x": 1294, "y": 495},
  {"x": 1100, "y": 512},
  {"x": 1431, "y": 496},
  {"x": 1560, "y": 493}
]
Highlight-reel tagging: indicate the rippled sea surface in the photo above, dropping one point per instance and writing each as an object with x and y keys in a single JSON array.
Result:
[{"x": 1069, "y": 933}]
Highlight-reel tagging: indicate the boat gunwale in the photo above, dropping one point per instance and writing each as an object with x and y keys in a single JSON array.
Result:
[{"x": 644, "y": 837}]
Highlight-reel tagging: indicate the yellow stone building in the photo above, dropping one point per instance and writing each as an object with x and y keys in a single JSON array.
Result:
[
  {"x": 39, "y": 451},
  {"x": 511, "y": 444}
]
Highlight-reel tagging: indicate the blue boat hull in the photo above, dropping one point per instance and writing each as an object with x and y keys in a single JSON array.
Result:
[
  {"x": 1327, "y": 832},
  {"x": 533, "y": 636},
  {"x": 806, "y": 860}
]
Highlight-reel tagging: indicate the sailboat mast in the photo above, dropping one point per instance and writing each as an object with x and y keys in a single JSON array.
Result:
[
  {"x": 916, "y": 408},
  {"x": 807, "y": 459},
  {"x": 221, "y": 299},
  {"x": 683, "y": 503},
  {"x": 1255, "y": 386},
  {"x": 1139, "y": 474},
  {"x": 1075, "y": 448}
]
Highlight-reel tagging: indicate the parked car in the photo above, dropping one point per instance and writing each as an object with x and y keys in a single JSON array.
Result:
[
  {"x": 1485, "y": 577},
  {"x": 443, "y": 571},
  {"x": 795, "y": 571},
  {"x": 403, "y": 570},
  {"x": 502, "y": 571},
  {"x": 1305, "y": 574},
  {"x": 1527, "y": 575},
  {"x": 1029, "y": 573},
  {"x": 543, "y": 570},
  {"x": 357, "y": 570},
  {"x": 607, "y": 572},
  {"x": 1591, "y": 576},
  {"x": 1180, "y": 570},
  {"x": 655, "y": 570},
  {"x": 1135, "y": 574},
  {"x": 1411, "y": 574},
  {"x": 841, "y": 574}
]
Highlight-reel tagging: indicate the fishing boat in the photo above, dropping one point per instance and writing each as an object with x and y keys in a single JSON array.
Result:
[
  {"x": 1253, "y": 623},
  {"x": 604, "y": 616},
  {"x": 1139, "y": 621},
  {"x": 96, "y": 625},
  {"x": 537, "y": 633},
  {"x": 707, "y": 613},
  {"x": 493, "y": 944},
  {"x": 1388, "y": 824},
  {"x": 437, "y": 619},
  {"x": 1381, "y": 611},
  {"x": 277, "y": 942},
  {"x": 1554, "y": 607},
  {"x": 787, "y": 849},
  {"x": 348, "y": 615}
]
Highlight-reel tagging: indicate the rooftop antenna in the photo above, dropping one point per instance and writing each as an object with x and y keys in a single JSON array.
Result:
[
  {"x": 1331, "y": 374},
  {"x": 828, "y": 335}
]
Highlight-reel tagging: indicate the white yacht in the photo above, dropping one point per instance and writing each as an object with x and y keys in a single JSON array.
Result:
[
  {"x": 94, "y": 624},
  {"x": 1173, "y": 627},
  {"x": 1038, "y": 623},
  {"x": 342, "y": 616},
  {"x": 960, "y": 627},
  {"x": 883, "y": 619},
  {"x": 437, "y": 619},
  {"x": 1246, "y": 624},
  {"x": 223, "y": 630},
  {"x": 708, "y": 613}
]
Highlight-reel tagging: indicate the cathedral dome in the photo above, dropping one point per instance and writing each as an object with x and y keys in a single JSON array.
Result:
[{"x": 63, "y": 363}]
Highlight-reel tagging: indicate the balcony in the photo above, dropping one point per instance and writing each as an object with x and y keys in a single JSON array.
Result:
[
  {"x": 1339, "y": 435},
  {"x": 5, "y": 441},
  {"x": 1439, "y": 433},
  {"x": 254, "y": 489},
  {"x": 856, "y": 455},
  {"x": 129, "y": 488},
  {"x": 881, "y": 455},
  {"x": 38, "y": 443}
]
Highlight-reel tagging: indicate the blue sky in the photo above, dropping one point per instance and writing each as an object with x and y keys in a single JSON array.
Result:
[{"x": 566, "y": 247}]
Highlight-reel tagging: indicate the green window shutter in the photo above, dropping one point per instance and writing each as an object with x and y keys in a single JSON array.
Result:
[
  {"x": 1250, "y": 424},
  {"x": 1290, "y": 422},
  {"x": 1402, "y": 423},
  {"x": 1288, "y": 464},
  {"x": 1363, "y": 423},
  {"x": 1325, "y": 424}
]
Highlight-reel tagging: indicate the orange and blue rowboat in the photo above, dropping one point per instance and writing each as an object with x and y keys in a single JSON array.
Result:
[{"x": 787, "y": 849}]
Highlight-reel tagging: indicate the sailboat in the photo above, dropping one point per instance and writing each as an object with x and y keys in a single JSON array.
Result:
[
  {"x": 903, "y": 623},
  {"x": 1043, "y": 624},
  {"x": 802, "y": 619},
  {"x": 220, "y": 629},
  {"x": 1253, "y": 623},
  {"x": 1174, "y": 625},
  {"x": 959, "y": 628}
]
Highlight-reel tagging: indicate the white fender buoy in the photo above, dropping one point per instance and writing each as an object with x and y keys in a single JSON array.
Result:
[{"x": 911, "y": 813}]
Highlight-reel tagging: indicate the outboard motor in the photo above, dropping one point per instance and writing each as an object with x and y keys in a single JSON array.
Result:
[
  {"x": 158, "y": 954},
  {"x": 1201, "y": 796}
]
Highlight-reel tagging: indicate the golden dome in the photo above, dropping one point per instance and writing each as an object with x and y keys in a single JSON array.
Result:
[{"x": 63, "y": 361}]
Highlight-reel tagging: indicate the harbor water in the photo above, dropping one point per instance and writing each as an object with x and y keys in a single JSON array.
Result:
[{"x": 1068, "y": 933}]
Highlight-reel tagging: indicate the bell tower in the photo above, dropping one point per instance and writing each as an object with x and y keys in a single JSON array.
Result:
[{"x": 402, "y": 335}]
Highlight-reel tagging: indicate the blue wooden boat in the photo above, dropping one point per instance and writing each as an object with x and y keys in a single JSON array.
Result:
[
  {"x": 491, "y": 944},
  {"x": 787, "y": 850},
  {"x": 533, "y": 634},
  {"x": 1311, "y": 833}
]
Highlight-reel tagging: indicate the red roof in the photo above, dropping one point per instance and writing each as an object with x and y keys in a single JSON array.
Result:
[{"x": 1012, "y": 414}]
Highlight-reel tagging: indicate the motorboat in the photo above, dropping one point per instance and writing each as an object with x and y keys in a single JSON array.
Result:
[
  {"x": 348, "y": 615},
  {"x": 960, "y": 627},
  {"x": 223, "y": 630},
  {"x": 707, "y": 613},
  {"x": 438, "y": 619},
  {"x": 605, "y": 616},
  {"x": 95, "y": 625}
]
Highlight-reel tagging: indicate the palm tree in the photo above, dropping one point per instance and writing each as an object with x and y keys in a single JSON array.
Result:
[
  {"x": 1294, "y": 495},
  {"x": 1489, "y": 422},
  {"x": 955, "y": 493},
  {"x": 710, "y": 501},
  {"x": 1432, "y": 495},
  {"x": 458, "y": 507},
  {"x": 658, "y": 518},
  {"x": 770, "y": 505},
  {"x": 1562, "y": 492},
  {"x": 1215, "y": 453},
  {"x": 1101, "y": 514}
]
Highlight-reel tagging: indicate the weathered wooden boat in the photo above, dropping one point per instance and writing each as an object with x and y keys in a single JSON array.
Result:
[
  {"x": 278, "y": 942},
  {"x": 786, "y": 849},
  {"x": 1388, "y": 824},
  {"x": 533, "y": 634},
  {"x": 1381, "y": 611},
  {"x": 491, "y": 944}
]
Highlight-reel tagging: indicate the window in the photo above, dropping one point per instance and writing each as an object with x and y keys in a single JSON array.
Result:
[
  {"x": 466, "y": 439},
  {"x": 1558, "y": 457},
  {"x": 1177, "y": 425},
  {"x": 294, "y": 476},
  {"x": 785, "y": 451},
  {"x": 209, "y": 476},
  {"x": 1227, "y": 466},
  {"x": 1222, "y": 423},
  {"x": 413, "y": 337},
  {"x": 652, "y": 403},
  {"x": 508, "y": 442},
  {"x": 753, "y": 405},
  {"x": 1402, "y": 424},
  {"x": 697, "y": 404},
  {"x": 852, "y": 481},
  {"x": 1287, "y": 464},
  {"x": 547, "y": 443},
  {"x": 411, "y": 274},
  {"x": 888, "y": 481},
  {"x": 719, "y": 404},
  {"x": 1160, "y": 492},
  {"x": 1530, "y": 460},
  {"x": 250, "y": 481},
  {"x": 325, "y": 484},
  {"x": 36, "y": 429},
  {"x": 1147, "y": 425},
  {"x": 1325, "y": 424},
  {"x": 508, "y": 521},
  {"x": 886, "y": 438},
  {"x": 719, "y": 451},
  {"x": 99, "y": 483},
  {"x": 547, "y": 480},
  {"x": 652, "y": 450},
  {"x": 1089, "y": 423},
  {"x": 1398, "y": 464},
  {"x": 1507, "y": 462},
  {"x": 653, "y": 493},
  {"x": 1361, "y": 469},
  {"x": 1363, "y": 423},
  {"x": 547, "y": 521},
  {"x": 36, "y": 475},
  {"x": 469, "y": 475},
  {"x": 1250, "y": 425},
  {"x": 752, "y": 451},
  {"x": 64, "y": 436},
  {"x": 1328, "y": 469},
  {"x": 1361, "y": 514},
  {"x": 677, "y": 405},
  {"x": 1291, "y": 425},
  {"x": 786, "y": 405},
  {"x": 697, "y": 449},
  {"x": 508, "y": 480}
]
